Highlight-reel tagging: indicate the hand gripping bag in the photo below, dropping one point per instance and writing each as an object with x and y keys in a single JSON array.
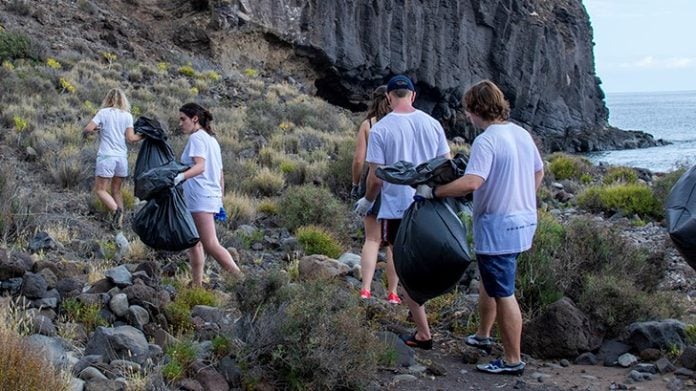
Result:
[{"x": 681, "y": 216}]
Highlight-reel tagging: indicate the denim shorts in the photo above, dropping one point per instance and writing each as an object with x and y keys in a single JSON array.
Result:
[{"x": 498, "y": 273}]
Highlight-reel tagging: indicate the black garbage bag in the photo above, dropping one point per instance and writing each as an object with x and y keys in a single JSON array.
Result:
[
  {"x": 164, "y": 223},
  {"x": 154, "y": 151},
  {"x": 437, "y": 171},
  {"x": 155, "y": 180},
  {"x": 431, "y": 252},
  {"x": 681, "y": 216}
]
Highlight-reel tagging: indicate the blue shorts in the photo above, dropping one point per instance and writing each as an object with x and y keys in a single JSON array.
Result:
[{"x": 498, "y": 273}]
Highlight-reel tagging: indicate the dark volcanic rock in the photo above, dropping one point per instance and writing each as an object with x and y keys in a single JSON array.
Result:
[{"x": 539, "y": 52}]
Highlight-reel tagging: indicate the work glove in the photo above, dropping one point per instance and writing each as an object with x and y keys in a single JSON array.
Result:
[
  {"x": 221, "y": 216},
  {"x": 179, "y": 178},
  {"x": 362, "y": 207},
  {"x": 354, "y": 192},
  {"x": 423, "y": 192}
]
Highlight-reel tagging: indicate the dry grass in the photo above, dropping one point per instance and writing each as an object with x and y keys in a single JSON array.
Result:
[
  {"x": 23, "y": 367},
  {"x": 241, "y": 209},
  {"x": 265, "y": 183}
]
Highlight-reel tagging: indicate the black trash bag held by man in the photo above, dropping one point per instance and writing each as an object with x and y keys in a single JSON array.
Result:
[
  {"x": 164, "y": 223},
  {"x": 431, "y": 252},
  {"x": 681, "y": 216}
]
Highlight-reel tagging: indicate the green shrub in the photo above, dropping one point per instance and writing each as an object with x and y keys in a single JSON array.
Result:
[
  {"x": 308, "y": 336},
  {"x": 221, "y": 346},
  {"x": 536, "y": 278},
  {"x": 312, "y": 205},
  {"x": 178, "y": 312},
  {"x": 628, "y": 199},
  {"x": 615, "y": 302},
  {"x": 182, "y": 354},
  {"x": 690, "y": 332},
  {"x": 339, "y": 174},
  {"x": 663, "y": 185},
  {"x": 316, "y": 240},
  {"x": 564, "y": 166},
  {"x": 620, "y": 175},
  {"x": 265, "y": 183},
  {"x": 15, "y": 46},
  {"x": 87, "y": 314}
]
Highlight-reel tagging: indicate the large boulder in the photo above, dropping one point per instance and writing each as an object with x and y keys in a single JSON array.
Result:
[
  {"x": 663, "y": 335},
  {"x": 119, "y": 343},
  {"x": 562, "y": 330}
]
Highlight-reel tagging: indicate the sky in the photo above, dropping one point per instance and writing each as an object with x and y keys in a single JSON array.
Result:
[{"x": 644, "y": 45}]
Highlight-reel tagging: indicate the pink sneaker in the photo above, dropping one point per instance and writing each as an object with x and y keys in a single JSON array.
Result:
[
  {"x": 393, "y": 298},
  {"x": 365, "y": 294}
]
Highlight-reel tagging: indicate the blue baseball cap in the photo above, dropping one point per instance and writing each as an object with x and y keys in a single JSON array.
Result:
[{"x": 400, "y": 82}]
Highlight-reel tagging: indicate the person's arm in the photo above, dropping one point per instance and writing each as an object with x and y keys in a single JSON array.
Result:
[
  {"x": 90, "y": 128},
  {"x": 131, "y": 136},
  {"x": 460, "y": 187},
  {"x": 374, "y": 184},
  {"x": 360, "y": 152},
  {"x": 197, "y": 169},
  {"x": 538, "y": 176}
]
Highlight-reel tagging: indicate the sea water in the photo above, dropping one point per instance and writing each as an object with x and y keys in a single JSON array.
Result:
[{"x": 670, "y": 116}]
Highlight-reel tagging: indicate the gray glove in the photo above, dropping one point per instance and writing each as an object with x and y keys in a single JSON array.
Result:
[
  {"x": 362, "y": 207},
  {"x": 424, "y": 191}
]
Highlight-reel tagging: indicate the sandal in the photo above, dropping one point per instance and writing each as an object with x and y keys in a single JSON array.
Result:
[{"x": 410, "y": 340}]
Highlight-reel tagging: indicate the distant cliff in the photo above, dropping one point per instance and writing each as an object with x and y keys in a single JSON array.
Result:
[{"x": 538, "y": 51}]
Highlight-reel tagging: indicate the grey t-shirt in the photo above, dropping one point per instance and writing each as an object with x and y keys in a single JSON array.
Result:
[{"x": 414, "y": 137}]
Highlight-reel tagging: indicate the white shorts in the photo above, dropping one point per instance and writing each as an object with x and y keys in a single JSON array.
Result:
[
  {"x": 111, "y": 166},
  {"x": 196, "y": 203}
]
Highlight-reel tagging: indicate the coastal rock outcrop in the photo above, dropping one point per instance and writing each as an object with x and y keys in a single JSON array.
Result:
[{"x": 539, "y": 52}]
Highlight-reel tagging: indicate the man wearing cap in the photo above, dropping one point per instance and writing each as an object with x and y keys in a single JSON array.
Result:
[{"x": 406, "y": 134}]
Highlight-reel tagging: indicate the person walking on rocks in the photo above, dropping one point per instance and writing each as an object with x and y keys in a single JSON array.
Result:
[
  {"x": 379, "y": 107},
  {"x": 114, "y": 123},
  {"x": 410, "y": 135},
  {"x": 504, "y": 172},
  {"x": 204, "y": 187}
]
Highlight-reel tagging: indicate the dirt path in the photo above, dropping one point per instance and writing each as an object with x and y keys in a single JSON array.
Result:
[{"x": 539, "y": 375}]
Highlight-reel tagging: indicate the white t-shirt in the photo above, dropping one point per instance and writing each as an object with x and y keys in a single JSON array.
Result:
[
  {"x": 207, "y": 184},
  {"x": 112, "y": 136},
  {"x": 505, "y": 213},
  {"x": 413, "y": 137}
]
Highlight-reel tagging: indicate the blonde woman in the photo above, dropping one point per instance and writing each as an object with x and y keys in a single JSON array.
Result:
[
  {"x": 379, "y": 107},
  {"x": 203, "y": 188},
  {"x": 114, "y": 123}
]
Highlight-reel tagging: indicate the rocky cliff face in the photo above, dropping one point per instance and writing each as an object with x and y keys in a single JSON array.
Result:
[{"x": 538, "y": 51}]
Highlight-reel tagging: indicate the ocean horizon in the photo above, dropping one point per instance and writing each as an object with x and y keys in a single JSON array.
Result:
[{"x": 667, "y": 115}]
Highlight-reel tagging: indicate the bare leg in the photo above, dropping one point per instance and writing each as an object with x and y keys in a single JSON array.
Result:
[
  {"x": 100, "y": 188},
  {"x": 419, "y": 318},
  {"x": 197, "y": 259},
  {"x": 487, "y": 312},
  {"x": 368, "y": 259},
  {"x": 510, "y": 323},
  {"x": 206, "y": 230},
  {"x": 392, "y": 278},
  {"x": 116, "y": 183}
]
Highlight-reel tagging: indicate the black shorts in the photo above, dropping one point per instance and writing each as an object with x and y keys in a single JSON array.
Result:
[{"x": 389, "y": 229}]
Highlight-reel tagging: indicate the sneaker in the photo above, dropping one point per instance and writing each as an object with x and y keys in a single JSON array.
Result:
[
  {"x": 479, "y": 342},
  {"x": 117, "y": 219},
  {"x": 410, "y": 340},
  {"x": 393, "y": 298},
  {"x": 499, "y": 366},
  {"x": 365, "y": 294}
]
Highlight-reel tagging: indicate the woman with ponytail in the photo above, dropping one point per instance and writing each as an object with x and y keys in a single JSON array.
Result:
[{"x": 204, "y": 187}]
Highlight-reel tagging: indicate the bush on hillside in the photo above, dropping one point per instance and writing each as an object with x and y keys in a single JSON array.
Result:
[
  {"x": 564, "y": 166},
  {"x": 317, "y": 240},
  {"x": 620, "y": 175},
  {"x": 240, "y": 209},
  {"x": 536, "y": 278},
  {"x": 339, "y": 177},
  {"x": 312, "y": 205},
  {"x": 306, "y": 336},
  {"x": 15, "y": 46},
  {"x": 265, "y": 183},
  {"x": 663, "y": 185},
  {"x": 628, "y": 199}
]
